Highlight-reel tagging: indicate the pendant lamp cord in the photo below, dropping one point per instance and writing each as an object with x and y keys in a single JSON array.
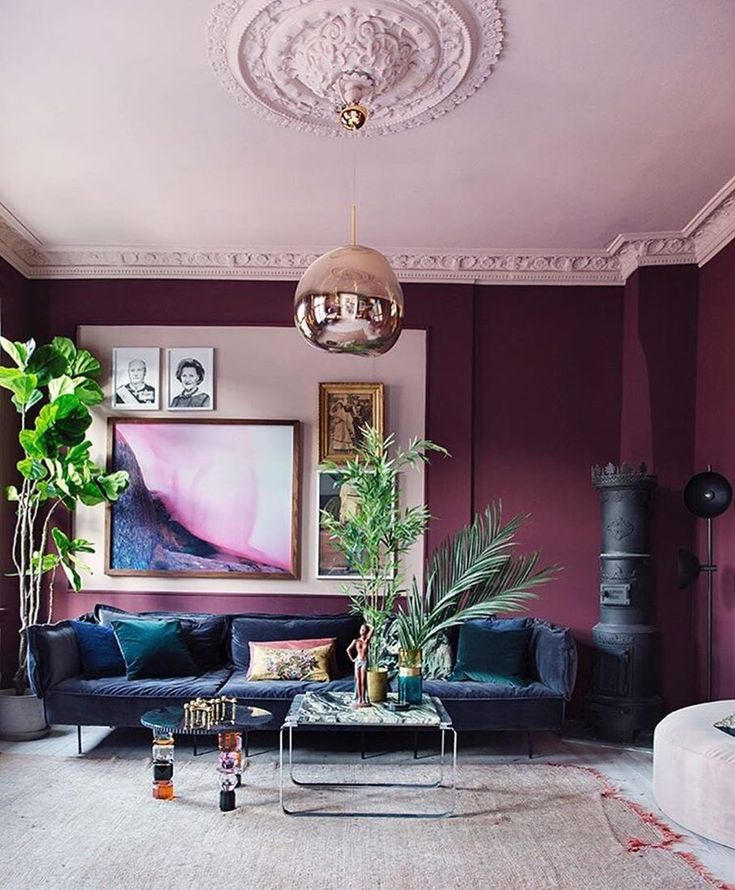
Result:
[{"x": 354, "y": 189}]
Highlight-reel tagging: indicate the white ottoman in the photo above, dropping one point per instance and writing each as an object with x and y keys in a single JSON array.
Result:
[{"x": 694, "y": 770}]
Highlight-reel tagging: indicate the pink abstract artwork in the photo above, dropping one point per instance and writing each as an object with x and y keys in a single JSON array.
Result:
[{"x": 206, "y": 499}]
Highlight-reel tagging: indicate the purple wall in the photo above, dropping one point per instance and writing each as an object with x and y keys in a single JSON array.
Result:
[
  {"x": 547, "y": 407},
  {"x": 14, "y": 324},
  {"x": 527, "y": 388},
  {"x": 715, "y": 444},
  {"x": 662, "y": 420}
]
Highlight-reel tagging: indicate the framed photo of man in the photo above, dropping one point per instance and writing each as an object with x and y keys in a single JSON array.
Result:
[
  {"x": 191, "y": 378},
  {"x": 344, "y": 409},
  {"x": 136, "y": 376}
]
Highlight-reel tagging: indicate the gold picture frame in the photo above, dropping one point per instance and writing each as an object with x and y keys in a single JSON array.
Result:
[{"x": 343, "y": 409}]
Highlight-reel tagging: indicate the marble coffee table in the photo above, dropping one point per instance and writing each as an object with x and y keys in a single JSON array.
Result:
[{"x": 325, "y": 711}]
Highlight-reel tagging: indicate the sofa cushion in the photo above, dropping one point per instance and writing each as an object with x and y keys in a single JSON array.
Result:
[
  {"x": 448, "y": 690},
  {"x": 292, "y": 660},
  {"x": 204, "y": 634},
  {"x": 492, "y": 653},
  {"x": 153, "y": 648},
  {"x": 554, "y": 657},
  {"x": 99, "y": 650},
  {"x": 185, "y": 688},
  {"x": 240, "y": 687},
  {"x": 267, "y": 628}
]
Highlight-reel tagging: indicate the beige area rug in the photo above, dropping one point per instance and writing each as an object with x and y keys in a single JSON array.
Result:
[{"x": 91, "y": 823}]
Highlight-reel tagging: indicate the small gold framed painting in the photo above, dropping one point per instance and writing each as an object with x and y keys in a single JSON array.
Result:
[{"x": 344, "y": 409}]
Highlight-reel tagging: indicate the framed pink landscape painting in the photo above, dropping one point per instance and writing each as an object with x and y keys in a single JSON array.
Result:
[{"x": 207, "y": 499}]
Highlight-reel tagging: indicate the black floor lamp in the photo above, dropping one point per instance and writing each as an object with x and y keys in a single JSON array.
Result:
[{"x": 706, "y": 495}]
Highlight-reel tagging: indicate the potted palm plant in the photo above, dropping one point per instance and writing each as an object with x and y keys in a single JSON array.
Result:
[
  {"x": 53, "y": 387},
  {"x": 473, "y": 574},
  {"x": 375, "y": 536}
]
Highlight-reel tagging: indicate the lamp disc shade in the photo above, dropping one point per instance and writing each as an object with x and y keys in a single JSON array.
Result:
[
  {"x": 707, "y": 494},
  {"x": 688, "y": 568},
  {"x": 349, "y": 300}
]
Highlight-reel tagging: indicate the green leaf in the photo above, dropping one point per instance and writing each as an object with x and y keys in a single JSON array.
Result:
[
  {"x": 91, "y": 494},
  {"x": 19, "y": 352},
  {"x": 35, "y": 397},
  {"x": 49, "y": 562},
  {"x": 81, "y": 545},
  {"x": 47, "y": 363},
  {"x": 31, "y": 445},
  {"x": 61, "y": 540},
  {"x": 31, "y": 469},
  {"x": 85, "y": 364},
  {"x": 22, "y": 385},
  {"x": 12, "y": 493},
  {"x": 88, "y": 391},
  {"x": 60, "y": 386},
  {"x": 114, "y": 484},
  {"x": 62, "y": 422},
  {"x": 66, "y": 347}
]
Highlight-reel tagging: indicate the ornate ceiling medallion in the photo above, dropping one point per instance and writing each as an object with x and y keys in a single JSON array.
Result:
[{"x": 408, "y": 62}]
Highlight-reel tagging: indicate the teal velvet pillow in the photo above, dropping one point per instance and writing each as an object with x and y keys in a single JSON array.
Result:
[
  {"x": 490, "y": 654},
  {"x": 153, "y": 649}
]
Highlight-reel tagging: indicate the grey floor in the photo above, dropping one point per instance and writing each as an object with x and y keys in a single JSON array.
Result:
[{"x": 628, "y": 767}]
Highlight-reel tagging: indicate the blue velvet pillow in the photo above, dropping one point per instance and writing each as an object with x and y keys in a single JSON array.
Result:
[
  {"x": 99, "y": 652},
  {"x": 204, "y": 634},
  {"x": 153, "y": 649},
  {"x": 492, "y": 654}
]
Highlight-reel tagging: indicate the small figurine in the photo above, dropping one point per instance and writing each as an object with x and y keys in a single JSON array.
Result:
[{"x": 360, "y": 647}]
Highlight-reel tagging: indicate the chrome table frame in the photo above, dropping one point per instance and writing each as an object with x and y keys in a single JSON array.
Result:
[{"x": 444, "y": 726}]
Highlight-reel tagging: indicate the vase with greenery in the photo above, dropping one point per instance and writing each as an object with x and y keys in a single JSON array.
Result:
[
  {"x": 53, "y": 387},
  {"x": 376, "y": 535},
  {"x": 475, "y": 573}
]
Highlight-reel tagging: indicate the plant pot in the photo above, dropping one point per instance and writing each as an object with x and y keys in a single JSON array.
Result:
[
  {"x": 377, "y": 683},
  {"x": 410, "y": 682},
  {"x": 21, "y": 717}
]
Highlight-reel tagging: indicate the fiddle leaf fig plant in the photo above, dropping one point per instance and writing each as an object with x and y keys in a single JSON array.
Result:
[{"x": 53, "y": 387}]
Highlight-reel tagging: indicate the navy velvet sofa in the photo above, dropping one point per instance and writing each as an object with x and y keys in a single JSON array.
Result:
[{"x": 222, "y": 641}]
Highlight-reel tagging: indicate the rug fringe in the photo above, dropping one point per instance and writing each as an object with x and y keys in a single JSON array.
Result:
[
  {"x": 669, "y": 837},
  {"x": 694, "y": 863}
]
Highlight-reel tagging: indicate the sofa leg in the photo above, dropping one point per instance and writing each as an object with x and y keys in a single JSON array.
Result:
[
  {"x": 79, "y": 740},
  {"x": 415, "y": 745},
  {"x": 530, "y": 745},
  {"x": 195, "y": 747}
]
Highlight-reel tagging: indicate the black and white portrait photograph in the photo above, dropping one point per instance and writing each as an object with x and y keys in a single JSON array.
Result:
[
  {"x": 191, "y": 379},
  {"x": 136, "y": 378}
]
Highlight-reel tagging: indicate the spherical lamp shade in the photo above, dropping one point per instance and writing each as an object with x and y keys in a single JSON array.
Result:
[
  {"x": 707, "y": 494},
  {"x": 349, "y": 300}
]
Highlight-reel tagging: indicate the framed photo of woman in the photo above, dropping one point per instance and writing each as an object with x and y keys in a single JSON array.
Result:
[
  {"x": 344, "y": 410},
  {"x": 191, "y": 378}
]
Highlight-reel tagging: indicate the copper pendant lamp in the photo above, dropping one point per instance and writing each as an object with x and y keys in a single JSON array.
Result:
[{"x": 349, "y": 299}]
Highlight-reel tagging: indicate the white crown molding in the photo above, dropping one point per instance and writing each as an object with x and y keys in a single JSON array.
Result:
[{"x": 706, "y": 234}]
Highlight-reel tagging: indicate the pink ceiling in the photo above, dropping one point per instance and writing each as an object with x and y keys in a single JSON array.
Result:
[{"x": 600, "y": 118}]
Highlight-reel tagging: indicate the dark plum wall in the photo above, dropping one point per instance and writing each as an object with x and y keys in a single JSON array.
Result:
[
  {"x": 15, "y": 323},
  {"x": 547, "y": 407},
  {"x": 658, "y": 427},
  {"x": 716, "y": 445},
  {"x": 527, "y": 388}
]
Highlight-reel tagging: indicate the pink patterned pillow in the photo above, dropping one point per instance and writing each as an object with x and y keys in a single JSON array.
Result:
[{"x": 292, "y": 659}]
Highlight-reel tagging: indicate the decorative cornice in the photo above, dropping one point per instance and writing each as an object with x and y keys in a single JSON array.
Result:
[{"x": 707, "y": 233}]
